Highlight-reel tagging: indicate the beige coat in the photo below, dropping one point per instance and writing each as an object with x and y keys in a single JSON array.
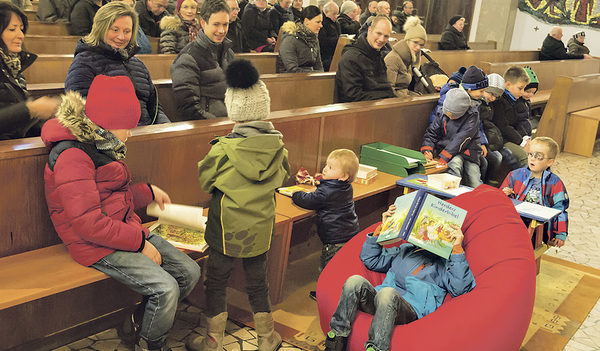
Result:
[{"x": 400, "y": 63}]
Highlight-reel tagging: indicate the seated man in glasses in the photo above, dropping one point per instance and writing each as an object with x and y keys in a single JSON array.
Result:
[{"x": 537, "y": 184}]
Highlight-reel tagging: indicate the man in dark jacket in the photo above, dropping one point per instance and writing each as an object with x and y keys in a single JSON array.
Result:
[
  {"x": 554, "y": 49},
  {"x": 408, "y": 10},
  {"x": 150, "y": 13},
  {"x": 329, "y": 34},
  {"x": 198, "y": 71},
  {"x": 54, "y": 10},
  {"x": 348, "y": 18},
  {"x": 236, "y": 32},
  {"x": 362, "y": 74},
  {"x": 453, "y": 37},
  {"x": 371, "y": 11},
  {"x": 279, "y": 14},
  {"x": 82, "y": 16}
]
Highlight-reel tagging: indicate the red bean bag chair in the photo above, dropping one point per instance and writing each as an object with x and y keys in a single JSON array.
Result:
[{"x": 495, "y": 315}]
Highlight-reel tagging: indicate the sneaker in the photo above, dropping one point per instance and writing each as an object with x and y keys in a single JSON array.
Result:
[
  {"x": 335, "y": 342},
  {"x": 313, "y": 295}
]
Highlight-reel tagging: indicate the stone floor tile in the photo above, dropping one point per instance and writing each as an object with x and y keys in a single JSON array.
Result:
[{"x": 106, "y": 345}]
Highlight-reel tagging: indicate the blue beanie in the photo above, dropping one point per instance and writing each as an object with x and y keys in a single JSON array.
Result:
[
  {"x": 474, "y": 79},
  {"x": 458, "y": 75}
]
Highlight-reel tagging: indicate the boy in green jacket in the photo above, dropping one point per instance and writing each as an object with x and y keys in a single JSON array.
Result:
[{"x": 242, "y": 172}]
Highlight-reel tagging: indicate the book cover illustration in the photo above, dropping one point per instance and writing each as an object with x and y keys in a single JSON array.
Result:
[
  {"x": 289, "y": 190},
  {"x": 183, "y": 226}
]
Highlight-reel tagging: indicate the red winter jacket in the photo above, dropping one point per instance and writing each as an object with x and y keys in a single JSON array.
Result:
[{"x": 89, "y": 195}]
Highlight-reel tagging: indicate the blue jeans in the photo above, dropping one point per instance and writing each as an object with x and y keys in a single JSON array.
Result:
[
  {"x": 387, "y": 306},
  {"x": 467, "y": 170},
  {"x": 163, "y": 286}
]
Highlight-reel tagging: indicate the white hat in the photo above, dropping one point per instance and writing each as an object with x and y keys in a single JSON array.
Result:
[
  {"x": 496, "y": 84},
  {"x": 246, "y": 98}
]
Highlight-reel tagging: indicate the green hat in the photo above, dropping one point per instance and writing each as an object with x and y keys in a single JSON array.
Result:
[{"x": 533, "y": 80}]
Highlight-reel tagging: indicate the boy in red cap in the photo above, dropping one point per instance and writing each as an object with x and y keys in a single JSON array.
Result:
[{"x": 91, "y": 205}]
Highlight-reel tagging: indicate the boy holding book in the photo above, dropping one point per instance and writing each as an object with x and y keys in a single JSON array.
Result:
[
  {"x": 454, "y": 136},
  {"x": 416, "y": 283},
  {"x": 537, "y": 184},
  {"x": 333, "y": 203},
  {"x": 242, "y": 171}
]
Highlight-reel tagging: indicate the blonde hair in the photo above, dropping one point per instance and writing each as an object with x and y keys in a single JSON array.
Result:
[
  {"x": 105, "y": 17},
  {"x": 516, "y": 74},
  {"x": 549, "y": 143},
  {"x": 348, "y": 161}
]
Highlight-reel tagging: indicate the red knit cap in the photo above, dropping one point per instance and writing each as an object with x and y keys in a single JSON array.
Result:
[
  {"x": 179, "y": 2},
  {"x": 112, "y": 104}
]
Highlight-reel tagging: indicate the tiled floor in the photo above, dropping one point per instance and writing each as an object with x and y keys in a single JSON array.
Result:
[{"x": 581, "y": 176}]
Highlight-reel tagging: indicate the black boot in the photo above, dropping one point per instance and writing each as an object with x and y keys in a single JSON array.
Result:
[{"x": 335, "y": 343}]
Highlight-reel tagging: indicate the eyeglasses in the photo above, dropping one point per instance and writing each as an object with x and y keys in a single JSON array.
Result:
[{"x": 538, "y": 156}]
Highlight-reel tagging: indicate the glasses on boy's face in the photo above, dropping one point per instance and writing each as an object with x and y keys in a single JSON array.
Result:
[{"x": 538, "y": 156}]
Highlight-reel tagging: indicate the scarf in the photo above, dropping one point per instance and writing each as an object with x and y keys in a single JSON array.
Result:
[
  {"x": 307, "y": 35},
  {"x": 12, "y": 61},
  {"x": 193, "y": 27},
  {"x": 108, "y": 144}
]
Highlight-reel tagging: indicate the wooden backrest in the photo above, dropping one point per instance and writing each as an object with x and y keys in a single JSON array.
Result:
[
  {"x": 450, "y": 61},
  {"x": 569, "y": 94},
  {"x": 48, "y": 28},
  {"x": 547, "y": 71},
  {"x": 155, "y": 155}
]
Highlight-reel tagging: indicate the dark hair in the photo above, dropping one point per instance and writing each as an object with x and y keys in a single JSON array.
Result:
[
  {"x": 210, "y": 7},
  {"x": 6, "y": 11},
  {"x": 310, "y": 12}
]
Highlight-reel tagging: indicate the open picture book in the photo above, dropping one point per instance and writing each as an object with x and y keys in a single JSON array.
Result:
[
  {"x": 423, "y": 220},
  {"x": 181, "y": 225}
]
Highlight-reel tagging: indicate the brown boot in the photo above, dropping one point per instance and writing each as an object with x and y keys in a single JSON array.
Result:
[
  {"x": 268, "y": 338},
  {"x": 215, "y": 331}
]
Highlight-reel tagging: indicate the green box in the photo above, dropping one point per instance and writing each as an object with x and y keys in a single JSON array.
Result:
[{"x": 392, "y": 159}]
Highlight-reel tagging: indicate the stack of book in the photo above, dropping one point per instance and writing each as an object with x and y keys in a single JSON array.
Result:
[{"x": 366, "y": 174}]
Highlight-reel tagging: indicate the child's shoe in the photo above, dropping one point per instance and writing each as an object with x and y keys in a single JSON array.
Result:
[
  {"x": 215, "y": 332},
  {"x": 128, "y": 331},
  {"x": 335, "y": 342},
  {"x": 268, "y": 338}
]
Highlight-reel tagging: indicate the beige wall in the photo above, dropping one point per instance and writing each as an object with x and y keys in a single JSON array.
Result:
[{"x": 494, "y": 20}]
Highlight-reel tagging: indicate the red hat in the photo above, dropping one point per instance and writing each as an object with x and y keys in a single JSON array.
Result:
[
  {"x": 179, "y": 2},
  {"x": 112, "y": 104}
]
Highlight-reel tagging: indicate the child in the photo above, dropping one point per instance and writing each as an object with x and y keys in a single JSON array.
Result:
[
  {"x": 406, "y": 294},
  {"x": 454, "y": 136},
  {"x": 536, "y": 183},
  {"x": 333, "y": 202},
  {"x": 242, "y": 171},
  {"x": 91, "y": 204},
  {"x": 523, "y": 104},
  {"x": 516, "y": 136}
]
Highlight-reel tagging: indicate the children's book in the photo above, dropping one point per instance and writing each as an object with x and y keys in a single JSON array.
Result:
[
  {"x": 181, "y": 225},
  {"x": 289, "y": 190},
  {"x": 423, "y": 220}
]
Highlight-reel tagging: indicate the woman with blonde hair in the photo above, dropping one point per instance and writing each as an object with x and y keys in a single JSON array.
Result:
[{"x": 110, "y": 50}]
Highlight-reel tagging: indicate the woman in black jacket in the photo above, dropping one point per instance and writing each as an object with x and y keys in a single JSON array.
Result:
[
  {"x": 19, "y": 116},
  {"x": 453, "y": 37},
  {"x": 299, "y": 50}
]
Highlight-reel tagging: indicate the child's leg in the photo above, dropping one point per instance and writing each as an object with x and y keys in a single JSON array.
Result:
[
  {"x": 494, "y": 159},
  {"x": 218, "y": 270},
  {"x": 455, "y": 166},
  {"x": 390, "y": 309},
  {"x": 356, "y": 293},
  {"x": 518, "y": 152},
  {"x": 472, "y": 174},
  {"x": 327, "y": 253},
  {"x": 255, "y": 269}
]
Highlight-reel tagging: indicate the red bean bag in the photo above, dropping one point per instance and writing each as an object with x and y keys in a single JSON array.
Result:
[{"x": 495, "y": 315}]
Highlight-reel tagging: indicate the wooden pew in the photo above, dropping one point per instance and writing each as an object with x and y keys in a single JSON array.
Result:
[
  {"x": 47, "y": 28},
  {"x": 30, "y": 15}
]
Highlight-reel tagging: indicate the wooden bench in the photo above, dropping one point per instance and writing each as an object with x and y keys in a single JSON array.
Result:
[
  {"x": 582, "y": 131},
  {"x": 62, "y": 44},
  {"x": 47, "y": 28}
]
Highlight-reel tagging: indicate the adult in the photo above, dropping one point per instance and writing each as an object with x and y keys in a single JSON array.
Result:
[
  {"x": 19, "y": 116},
  {"x": 453, "y": 37},
  {"x": 82, "y": 16},
  {"x": 371, "y": 11},
  {"x": 296, "y": 10},
  {"x": 258, "y": 27},
  {"x": 406, "y": 56},
  {"x": 348, "y": 18},
  {"x": 576, "y": 44},
  {"x": 299, "y": 50},
  {"x": 110, "y": 50},
  {"x": 141, "y": 40},
  {"x": 236, "y": 32},
  {"x": 408, "y": 10},
  {"x": 554, "y": 49},
  {"x": 279, "y": 14},
  {"x": 361, "y": 73},
  {"x": 383, "y": 9},
  {"x": 198, "y": 71},
  {"x": 329, "y": 34},
  {"x": 179, "y": 30},
  {"x": 54, "y": 10},
  {"x": 151, "y": 13}
]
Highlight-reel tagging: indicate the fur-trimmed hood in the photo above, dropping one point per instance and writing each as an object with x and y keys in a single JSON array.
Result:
[
  {"x": 171, "y": 23},
  {"x": 299, "y": 31}
]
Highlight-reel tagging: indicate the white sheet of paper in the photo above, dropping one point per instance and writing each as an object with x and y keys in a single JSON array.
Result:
[{"x": 537, "y": 210}]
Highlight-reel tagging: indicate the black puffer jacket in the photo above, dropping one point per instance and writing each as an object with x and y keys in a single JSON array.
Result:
[
  {"x": 237, "y": 35},
  {"x": 554, "y": 49},
  {"x": 82, "y": 17},
  {"x": 90, "y": 61},
  {"x": 258, "y": 26},
  {"x": 348, "y": 26},
  {"x": 279, "y": 16},
  {"x": 452, "y": 39},
  {"x": 299, "y": 50},
  {"x": 523, "y": 112},
  {"x": 362, "y": 74},
  {"x": 333, "y": 202},
  {"x": 328, "y": 38},
  {"x": 505, "y": 118},
  {"x": 492, "y": 133},
  {"x": 148, "y": 21}
]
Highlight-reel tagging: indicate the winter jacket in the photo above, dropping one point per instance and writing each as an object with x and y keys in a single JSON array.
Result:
[
  {"x": 54, "y": 10},
  {"x": 148, "y": 21},
  {"x": 88, "y": 193},
  {"x": 347, "y": 25},
  {"x": 523, "y": 113},
  {"x": 400, "y": 63},
  {"x": 577, "y": 48},
  {"x": 299, "y": 50},
  {"x": 492, "y": 133},
  {"x": 296, "y": 14},
  {"x": 450, "y": 137},
  {"x": 198, "y": 75},
  {"x": 505, "y": 118},
  {"x": 553, "y": 194},
  {"x": 365, "y": 16},
  {"x": 174, "y": 35},
  {"x": 242, "y": 171},
  {"x": 90, "y": 61},
  {"x": 452, "y": 39},
  {"x": 361, "y": 73},
  {"x": 82, "y": 17},
  {"x": 328, "y": 38},
  {"x": 554, "y": 49},
  {"x": 15, "y": 120},
  {"x": 237, "y": 35},
  {"x": 258, "y": 26},
  {"x": 333, "y": 202},
  {"x": 278, "y": 16},
  {"x": 143, "y": 42},
  {"x": 421, "y": 277}
]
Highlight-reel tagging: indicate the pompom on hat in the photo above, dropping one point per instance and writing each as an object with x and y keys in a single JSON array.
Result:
[
  {"x": 246, "y": 98},
  {"x": 496, "y": 84},
  {"x": 414, "y": 29},
  {"x": 457, "y": 102},
  {"x": 458, "y": 75},
  {"x": 474, "y": 79},
  {"x": 112, "y": 103},
  {"x": 533, "y": 80}
]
